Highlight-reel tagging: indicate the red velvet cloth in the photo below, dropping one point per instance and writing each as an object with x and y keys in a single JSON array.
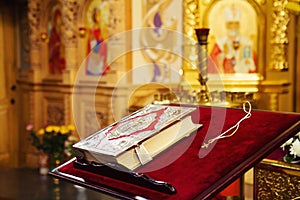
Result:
[{"x": 202, "y": 173}]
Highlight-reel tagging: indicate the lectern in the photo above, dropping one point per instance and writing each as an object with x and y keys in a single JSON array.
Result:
[{"x": 201, "y": 173}]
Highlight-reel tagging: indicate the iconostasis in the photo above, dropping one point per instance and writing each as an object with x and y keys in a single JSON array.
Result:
[{"x": 89, "y": 62}]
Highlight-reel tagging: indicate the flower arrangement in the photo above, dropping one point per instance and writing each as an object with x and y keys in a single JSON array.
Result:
[
  {"x": 55, "y": 141},
  {"x": 292, "y": 146}
]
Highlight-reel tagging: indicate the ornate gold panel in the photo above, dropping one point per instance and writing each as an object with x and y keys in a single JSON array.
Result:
[
  {"x": 276, "y": 180},
  {"x": 56, "y": 107},
  {"x": 55, "y": 114}
]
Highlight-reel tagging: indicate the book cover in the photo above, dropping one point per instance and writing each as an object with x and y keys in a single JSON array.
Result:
[{"x": 137, "y": 138}]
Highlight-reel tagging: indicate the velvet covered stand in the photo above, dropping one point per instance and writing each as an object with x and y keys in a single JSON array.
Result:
[
  {"x": 119, "y": 172},
  {"x": 200, "y": 173}
]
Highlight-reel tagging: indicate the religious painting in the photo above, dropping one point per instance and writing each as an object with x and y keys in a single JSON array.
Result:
[
  {"x": 57, "y": 61},
  {"x": 162, "y": 23},
  {"x": 97, "y": 20},
  {"x": 233, "y": 37}
]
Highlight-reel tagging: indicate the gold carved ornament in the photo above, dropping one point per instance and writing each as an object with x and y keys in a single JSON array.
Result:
[
  {"x": 191, "y": 16},
  {"x": 34, "y": 21},
  {"x": 276, "y": 185},
  {"x": 279, "y": 37},
  {"x": 69, "y": 10}
]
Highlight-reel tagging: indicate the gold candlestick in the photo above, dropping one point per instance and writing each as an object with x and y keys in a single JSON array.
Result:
[{"x": 202, "y": 34}]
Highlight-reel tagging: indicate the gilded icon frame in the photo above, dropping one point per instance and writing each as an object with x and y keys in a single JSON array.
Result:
[
  {"x": 272, "y": 40},
  {"x": 239, "y": 42},
  {"x": 200, "y": 11}
]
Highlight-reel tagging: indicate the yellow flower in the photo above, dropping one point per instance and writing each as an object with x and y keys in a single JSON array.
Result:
[
  {"x": 41, "y": 131},
  {"x": 71, "y": 127},
  {"x": 52, "y": 128},
  {"x": 56, "y": 129},
  {"x": 64, "y": 130}
]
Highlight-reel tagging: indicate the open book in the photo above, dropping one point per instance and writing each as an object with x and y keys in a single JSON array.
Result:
[{"x": 137, "y": 138}]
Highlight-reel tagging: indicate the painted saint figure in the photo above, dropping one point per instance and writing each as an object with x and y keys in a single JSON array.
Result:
[
  {"x": 233, "y": 53},
  {"x": 57, "y": 62},
  {"x": 96, "y": 48}
]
